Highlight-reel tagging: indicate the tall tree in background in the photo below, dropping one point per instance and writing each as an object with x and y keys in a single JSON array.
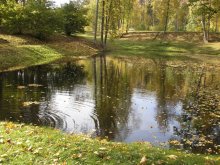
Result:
[
  {"x": 96, "y": 20},
  {"x": 216, "y": 19},
  {"x": 103, "y": 23},
  {"x": 205, "y": 11},
  {"x": 114, "y": 16},
  {"x": 167, "y": 16}
]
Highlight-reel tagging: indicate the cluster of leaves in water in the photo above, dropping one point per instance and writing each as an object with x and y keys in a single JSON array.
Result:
[{"x": 200, "y": 128}]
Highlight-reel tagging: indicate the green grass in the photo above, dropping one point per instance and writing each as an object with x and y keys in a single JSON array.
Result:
[
  {"x": 23, "y": 56},
  {"x": 23, "y": 144},
  {"x": 19, "y": 51},
  {"x": 167, "y": 50},
  {"x": 172, "y": 49}
]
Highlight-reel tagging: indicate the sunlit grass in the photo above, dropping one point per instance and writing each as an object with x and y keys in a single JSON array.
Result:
[
  {"x": 73, "y": 48},
  {"x": 13, "y": 57},
  {"x": 23, "y": 144},
  {"x": 23, "y": 51},
  {"x": 170, "y": 49},
  {"x": 158, "y": 49}
]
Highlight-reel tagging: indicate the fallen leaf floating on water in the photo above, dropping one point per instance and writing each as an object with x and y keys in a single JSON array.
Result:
[
  {"x": 174, "y": 157},
  {"x": 35, "y": 85},
  {"x": 143, "y": 160},
  {"x": 29, "y": 103},
  {"x": 21, "y": 87}
]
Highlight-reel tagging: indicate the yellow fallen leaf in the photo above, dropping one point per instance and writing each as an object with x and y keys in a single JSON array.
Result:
[
  {"x": 21, "y": 87},
  {"x": 143, "y": 160},
  {"x": 29, "y": 103},
  {"x": 79, "y": 155},
  {"x": 96, "y": 152},
  {"x": 174, "y": 157},
  {"x": 1, "y": 141},
  {"x": 35, "y": 85},
  {"x": 102, "y": 148},
  {"x": 3, "y": 156}
]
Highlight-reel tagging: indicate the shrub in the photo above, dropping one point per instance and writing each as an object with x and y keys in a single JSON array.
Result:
[{"x": 74, "y": 18}]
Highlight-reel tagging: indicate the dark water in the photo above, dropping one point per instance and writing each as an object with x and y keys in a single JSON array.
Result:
[{"x": 120, "y": 99}]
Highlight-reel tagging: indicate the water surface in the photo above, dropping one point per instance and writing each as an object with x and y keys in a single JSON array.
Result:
[{"x": 120, "y": 99}]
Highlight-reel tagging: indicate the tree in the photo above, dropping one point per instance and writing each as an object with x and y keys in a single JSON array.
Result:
[
  {"x": 103, "y": 22},
  {"x": 216, "y": 20},
  {"x": 12, "y": 17},
  {"x": 114, "y": 16},
  {"x": 36, "y": 18},
  {"x": 41, "y": 19},
  {"x": 167, "y": 16},
  {"x": 204, "y": 11},
  {"x": 96, "y": 20},
  {"x": 74, "y": 18}
]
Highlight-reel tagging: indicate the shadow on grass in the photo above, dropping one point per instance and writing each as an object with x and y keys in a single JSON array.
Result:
[{"x": 158, "y": 49}]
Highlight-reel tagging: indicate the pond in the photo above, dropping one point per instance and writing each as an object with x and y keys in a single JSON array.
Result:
[{"x": 168, "y": 103}]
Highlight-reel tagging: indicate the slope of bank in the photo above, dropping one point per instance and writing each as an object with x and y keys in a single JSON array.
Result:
[
  {"x": 169, "y": 50},
  {"x": 186, "y": 46},
  {"x": 23, "y": 144},
  {"x": 22, "y": 51}
]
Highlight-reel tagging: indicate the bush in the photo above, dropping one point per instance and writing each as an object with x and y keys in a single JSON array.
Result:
[
  {"x": 74, "y": 18},
  {"x": 40, "y": 19},
  {"x": 12, "y": 17}
]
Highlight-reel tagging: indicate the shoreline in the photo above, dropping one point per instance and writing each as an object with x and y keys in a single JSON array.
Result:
[{"x": 50, "y": 146}]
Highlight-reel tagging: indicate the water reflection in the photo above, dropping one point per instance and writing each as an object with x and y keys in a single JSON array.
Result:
[{"x": 119, "y": 99}]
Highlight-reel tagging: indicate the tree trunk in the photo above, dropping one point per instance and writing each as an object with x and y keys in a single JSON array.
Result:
[
  {"x": 128, "y": 16},
  {"x": 127, "y": 27},
  {"x": 106, "y": 29},
  {"x": 108, "y": 21},
  {"x": 103, "y": 22},
  {"x": 176, "y": 23},
  {"x": 205, "y": 39},
  {"x": 209, "y": 20},
  {"x": 96, "y": 20},
  {"x": 216, "y": 23},
  {"x": 167, "y": 16}
]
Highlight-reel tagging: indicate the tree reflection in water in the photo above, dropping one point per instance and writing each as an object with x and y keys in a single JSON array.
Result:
[
  {"x": 112, "y": 95},
  {"x": 120, "y": 98},
  {"x": 200, "y": 122}
]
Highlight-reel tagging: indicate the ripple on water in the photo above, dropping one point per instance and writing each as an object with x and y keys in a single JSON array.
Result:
[
  {"x": 70, "y": 111},
  {"x": 118, "y": 98}
]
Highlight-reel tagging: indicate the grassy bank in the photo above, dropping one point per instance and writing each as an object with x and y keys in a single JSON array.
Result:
[
  {"x": 166, "y": 49},
  {"x": 22, "y": 51},
  {"x": 23, "y": 144},
  {"x": 172, "y": 48}
]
